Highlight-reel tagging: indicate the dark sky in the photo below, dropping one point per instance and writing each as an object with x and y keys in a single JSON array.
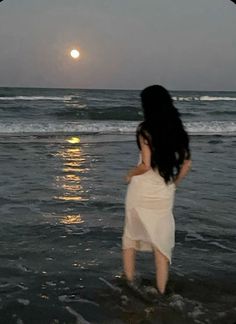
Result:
[{"x": 124, "y": 44}]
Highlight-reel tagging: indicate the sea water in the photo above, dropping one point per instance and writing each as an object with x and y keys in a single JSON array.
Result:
[{"x": 64, "y": 155}]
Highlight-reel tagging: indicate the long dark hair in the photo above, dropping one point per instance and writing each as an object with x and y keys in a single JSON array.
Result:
[{"x": 162, "y": 128}]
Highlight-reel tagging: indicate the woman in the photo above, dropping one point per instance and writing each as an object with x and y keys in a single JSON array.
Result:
[{"x": 164, "y": 161}]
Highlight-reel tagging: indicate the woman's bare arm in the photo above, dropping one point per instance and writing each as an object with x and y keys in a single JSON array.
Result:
[
  {"x": 183, "y": 171},
  {"x": 145, "y": 164}
]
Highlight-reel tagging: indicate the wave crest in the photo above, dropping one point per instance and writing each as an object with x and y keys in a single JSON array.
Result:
[
  {"x": 32, "y": 98},
  {"x": 72, "y": 98},
  {"x": 203, "y": 98},
  {"x": 108, "y": 127}
]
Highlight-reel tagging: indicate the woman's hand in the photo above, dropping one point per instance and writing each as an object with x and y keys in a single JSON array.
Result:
[
  {"x": 128, "y": 177},
  {"x": 138, "y": 170},
  {"x": 183, "y": 171},
  {"x": 145, "y": 165}
]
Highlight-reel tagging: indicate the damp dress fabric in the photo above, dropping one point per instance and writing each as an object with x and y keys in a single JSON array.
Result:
[{"x": 149, "y": 221}]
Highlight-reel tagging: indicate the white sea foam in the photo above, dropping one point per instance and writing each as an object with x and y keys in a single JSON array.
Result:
[
  {"x": 22, "y": 286},
  {"x": 64, "y": 98},
  {"x": 185, "y": 98},
  {"x": 209, "y": 98},
  {"x": 79, "y": 318},
  {"x": 5, "y": 285},
  {"x": 114, "y": 288},
  {"x": 24, "y": 302},
  {"x": 194, "y": 309},
  {"x": 109, "y": 127},
  {"x": 76, "y": 299},
  {"x": 211, "y": 128},
  {"x": 222, "y": 246},
  {"x": 177, "y": 301},
  {"x": 193, "y": 236},
  {"x": 23, "y": 268},
  {"x": 203, "y": 98},
  {"x": 19, "y": 321},
  {"x": 68, "y": 97},
  {"x": 85, "y": 127},
  {"x": 50, "y": 283}
]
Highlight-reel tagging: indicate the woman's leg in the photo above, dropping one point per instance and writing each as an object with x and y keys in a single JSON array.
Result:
[
  {"x": 129, "y": 263},
  {"x": 162, "y": 270}
]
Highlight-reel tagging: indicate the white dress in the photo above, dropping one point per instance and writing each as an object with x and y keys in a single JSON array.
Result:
[{"x": 149, "y": 221}]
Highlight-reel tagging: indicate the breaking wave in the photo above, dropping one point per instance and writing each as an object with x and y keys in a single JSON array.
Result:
[
  {"x": 32, "y": 98},
  {"x": 71, "y": 97},
  {"x": 204, "y": 98},
  {"x": 109, "y": 127}
]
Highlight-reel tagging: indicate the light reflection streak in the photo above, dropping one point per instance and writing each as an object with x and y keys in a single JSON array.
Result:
[
  {"x": 73, "y": 140},
  {"x": 70, "y": 181},
  {"x": 71, "y": 219}
]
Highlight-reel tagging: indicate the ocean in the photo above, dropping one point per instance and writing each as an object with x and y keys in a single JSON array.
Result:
[{"x": 64, "y": 156}]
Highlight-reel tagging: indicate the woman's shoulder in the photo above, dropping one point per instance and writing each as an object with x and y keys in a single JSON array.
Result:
[
  {"x": 143, "y": 132},
  {"x": 141, "y": 127}
]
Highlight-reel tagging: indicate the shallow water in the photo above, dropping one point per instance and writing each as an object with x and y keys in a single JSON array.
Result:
[
  {"x": 62, "y": 212},
  {"x": 61, "y": 226}
]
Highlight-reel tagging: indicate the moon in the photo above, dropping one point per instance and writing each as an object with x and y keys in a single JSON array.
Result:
[{"x": 74, "y": 53}]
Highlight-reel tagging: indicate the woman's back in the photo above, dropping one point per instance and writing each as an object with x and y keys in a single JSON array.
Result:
[{"x": 164, "y": 132}]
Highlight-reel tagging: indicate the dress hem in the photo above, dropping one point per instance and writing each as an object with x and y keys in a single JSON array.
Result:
[{"x": 151, "y": 249}]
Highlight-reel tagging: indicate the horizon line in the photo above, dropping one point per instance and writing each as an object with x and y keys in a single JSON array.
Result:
[{"x": 107, "y": 89}]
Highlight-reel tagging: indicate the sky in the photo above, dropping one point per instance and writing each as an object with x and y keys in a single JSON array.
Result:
[{"x": 124, "y": 44}]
